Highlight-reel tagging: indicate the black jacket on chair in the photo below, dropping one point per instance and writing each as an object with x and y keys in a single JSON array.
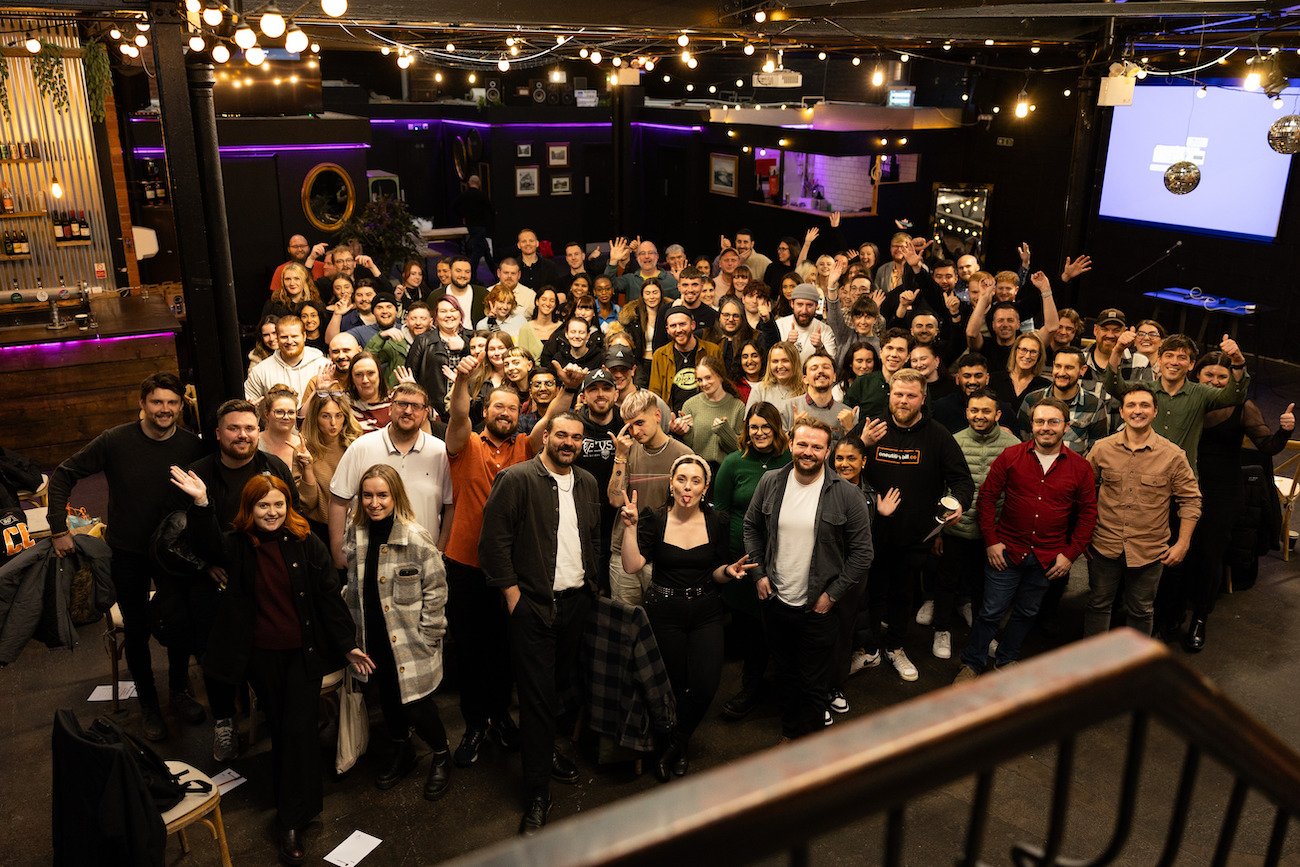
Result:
[
  {"x": 36, "y": 594},
  {"x": 328, "y": 632},
  {"x": 102, "y": 812}
]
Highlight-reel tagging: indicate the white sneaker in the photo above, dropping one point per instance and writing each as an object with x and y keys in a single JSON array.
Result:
[
  {"x": 838, "y": 702},
  {"x": 967, "y": 613},
  {"x": 828, "y": 720},
  {"x": 942, "y": 645},
  {"x": 925, "y": 614},
  {"x": 993, "y": 649},
  {"x": 902, "y": 664},
  {"x": 861, "y": 659}
]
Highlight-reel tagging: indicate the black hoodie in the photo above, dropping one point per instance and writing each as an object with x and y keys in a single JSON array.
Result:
[{"x": 925, "y": 463}]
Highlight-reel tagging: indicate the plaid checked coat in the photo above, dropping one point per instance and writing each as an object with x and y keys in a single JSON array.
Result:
[
  {"x": 413, "y": 588},
  {"x": 628, "y": 694}
]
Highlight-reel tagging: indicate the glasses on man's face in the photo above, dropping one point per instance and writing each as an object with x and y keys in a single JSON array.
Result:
[
  {"x": 729, "y": 315},
  {"x": 408, "y": 406}
]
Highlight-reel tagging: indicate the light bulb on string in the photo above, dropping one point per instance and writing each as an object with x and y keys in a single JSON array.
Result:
[
  {"x": 196, "y": 43},
  {"x": 472, "y": 78},
  {"x": 255, "y": 55},
  {"x": 503, "y": 65},
  {"x": 649, "y": 66},
  {"x": 315, "y": 48},
  {"x": 142, "y": 40},
  {"x": 877, "y": 77},
  {"x": 211, "y": 15},
  {"x": 514, "y": 50},
  {"x": 947, "y": 46},
  {"x": 1203, "y": 92},
  {"x": 760, "y": 16},
  {"x": 821, "y": 55},
  {"x": 385, "y": 50},
  {"x": 584, "y": 53},
  {"x": 596, "y": 57},
  {"x": 142, "y": 26},
  {"x": 683, "y": 40},
  {"x": 988, "y": 42},
  {"x": 220, "y": 53},
  {"x": 1022, "y": 105},
  {"x": 1034, "y": 49},
  {"x": 272, "y": 23},
  {"x": 667, "y": 78},
  {"x": 193, "y": 6},
  {"x": 749, "y": 49},
  {"x": 56, "y": 188},
  {"x": 1066, "y": 92},
  {"x": 32, "y": 44},
  {"x": 740, "y": 82},
  {"x": 686, "y": 56},
  {"x": 404, "y": 62},
  {"x": 245, "y": 38},
  {"x": 690, "y": 87},
  {"x": 510, "y": 40},
  {"x": 334, "y": 8},
  {"x": 903, "y": 58},
  {"x": 1278, "y": 102},
  {"x": 295, "y": 41},
  {"x": 115, "y": 34},
  {"x": 857, "y": 61},
  {"x": 437, "y": 77},
  {"x": 617, "y": 61},
  {"x": 451, "y": 47},
  {"x": 713, "y": 88},
  {"x": 692, "y": 63},
  {"x": 126, "y": 48}
]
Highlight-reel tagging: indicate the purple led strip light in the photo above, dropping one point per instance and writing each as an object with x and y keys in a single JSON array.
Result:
[
  {"x": 55, "y": 346},
  {"x": 261, "y": 149},
  {"x": 480, "y": 125}
]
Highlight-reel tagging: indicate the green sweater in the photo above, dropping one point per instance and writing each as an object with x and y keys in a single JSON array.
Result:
[
  {"x": 714, "y": 444},
  {"x": 735, "y": 485},
  {"x": 869, "y": 394}
]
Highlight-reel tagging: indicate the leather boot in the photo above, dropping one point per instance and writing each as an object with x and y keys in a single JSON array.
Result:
[
  {"x": 1194, "y": 639},
  {"x": 402, "y": 764},
  {"x": 439, "y": 775},
  {"x": 667, "y": 760}
]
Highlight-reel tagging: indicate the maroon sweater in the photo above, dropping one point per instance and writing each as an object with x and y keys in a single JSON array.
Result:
[{"x": 276, "y": 626}]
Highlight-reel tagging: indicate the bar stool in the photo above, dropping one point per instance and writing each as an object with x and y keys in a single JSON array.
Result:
[
  {"x": 40, "y": 496},
  {"x": 115, "y": 644},
  {"x": 195, "y": 807}
]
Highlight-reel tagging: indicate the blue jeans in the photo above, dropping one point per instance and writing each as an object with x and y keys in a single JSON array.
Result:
[{"x": 1022, "y": 584}]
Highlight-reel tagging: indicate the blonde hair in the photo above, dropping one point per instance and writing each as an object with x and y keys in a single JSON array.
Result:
[
  {"x": 311, "y": 435},
  {"x": 401, "y": 502},
  {"x": 796, "y": 375},
  {"x": 309, "y": 292},
  {"x": 639, "y": 401}
]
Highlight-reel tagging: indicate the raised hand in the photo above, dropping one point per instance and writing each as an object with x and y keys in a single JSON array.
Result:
[
  {"x": 1023, "y": 250},
  {"x": 189, "y": 484},
  {"x": 765, "y": 308},
  {"x": 1287, "y": 422},
  {"x": 318, "y": 250},
  {"x": 617, "y": 249},
  {"x": 873, "y": 431},
  {"x": 878, "y": 296},
  {"x": 366, "y": 262},
  {"x": 952, "y": 302},
  {"x": 403, "y": 373},
  {"x": 888, "y": 501},
  {"x": 569, "y": 376},
  {"x": 846, "y": 418},
  {"x": 1041, "y": 282},
  {"x": 467, "y": 365},
  {"x": 740, "y": 568},
  {"x": 810, "y": 235},
  {"x": 328, "y": 376},
  {"x": 816, "y": 337},
  {"x": 835, "y": 219},
  {"x": 628, "y": 513},
  {"x": 681, "y": 424},
  {"x": 623, "y": 443},
  {"x": 1126, "y": 339},
  {"x": 1229, "y": 347},
  {"x": 723, "y": 242},
  {"x": 1074, "y": 267}
]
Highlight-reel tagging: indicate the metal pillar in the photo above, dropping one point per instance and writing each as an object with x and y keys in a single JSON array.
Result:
[
  {"x": 201, "y": 239},
  {"x": 625, "y": 105}
]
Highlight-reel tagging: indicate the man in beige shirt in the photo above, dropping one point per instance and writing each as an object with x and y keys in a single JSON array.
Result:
[{"x": 1140, "y": 475}]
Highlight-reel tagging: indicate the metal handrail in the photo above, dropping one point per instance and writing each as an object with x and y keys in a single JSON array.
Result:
[{"x": 780, "y": 799}]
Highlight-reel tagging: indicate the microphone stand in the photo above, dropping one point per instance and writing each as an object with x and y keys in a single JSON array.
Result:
[{"x": 1162, "y": 257}]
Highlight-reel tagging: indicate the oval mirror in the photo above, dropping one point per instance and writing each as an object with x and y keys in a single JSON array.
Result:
[{"x": 328, "y": 197}]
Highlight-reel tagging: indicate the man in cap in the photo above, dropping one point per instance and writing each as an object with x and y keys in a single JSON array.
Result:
[
  {"x": 384, "y": 309},
  {"x": 621, "y": 364},
  {"x": 600, "y": 425},
  {"x": 802, "y": 328}
]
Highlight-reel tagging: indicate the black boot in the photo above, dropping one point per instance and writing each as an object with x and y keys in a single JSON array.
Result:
[
  {"x": 682, "y": 765},
  {"x": 439, "y": 778},
  {"x": 291, "y": 850},
  {"x": 667, "y": 760},
  {"x": 1194, "y": 640},
  {"x": 402, "y": 764}
]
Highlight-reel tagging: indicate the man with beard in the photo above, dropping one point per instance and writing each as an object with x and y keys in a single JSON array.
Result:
[
  {"x": 475, "y": 612},
  {"x": 225, "y": 473},
  {"x": 470, "y": 297},
  {"x": 672, "y": 367},
  {"x": 600, "y": 425},
  {"x": 361, "y": 311},
  {"x": 801, "y": 327},
  {"x": 1006, "y": 323},
  {"x": 1142, "y": 475},
  {"x": 1087, "y": 421},
  {"x": 538, "y": 545},
  {"x": 971, "y": 376},
  {"x": 819, "y": 401},
  {"x": 923, "y": 462},
  {"x": 136, "y": 459},
  {"x": 345, "y": 265},
  {"x": 391, "y": 346},
  {"x": 293, "y": 363},
  {"x": 302, "y": 252},
  {"x": 1045, "y": 523},
  {"x": 384, "y": 309},
  {"x": 1110, "y": 326},
  {"x": 508, "y": 278},
  {"x": 647, "y": 259},
  {"x": 621, "y": 364},
  {"x": 809, "y": 532},
  {"x": 690, "y": 283}
]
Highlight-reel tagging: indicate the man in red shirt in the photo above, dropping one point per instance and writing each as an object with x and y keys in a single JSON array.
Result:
[
  {"x": 476, "y": 613},
  {"x": 1046, "y": 522}
]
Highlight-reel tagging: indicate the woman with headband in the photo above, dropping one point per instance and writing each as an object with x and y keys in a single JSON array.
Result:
[{"x": 688, "y": 544}]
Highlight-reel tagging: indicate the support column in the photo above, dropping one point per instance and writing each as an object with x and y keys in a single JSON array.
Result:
[
  {"x": 625, "y": 105},
  {"x": 218, "y": 365}
]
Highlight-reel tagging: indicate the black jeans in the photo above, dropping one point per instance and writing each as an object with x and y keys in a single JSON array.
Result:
[
  {"x": 476, "y": 247},
  {"x": 289, "y": 699},
  {"x": 894, "y": 572},
  {"x": 803, "y": 643},
  {"x": 546, "y": 661},
  {"x": 847, "y": 611},
  {"x": 476, "y": 616},
  {"x": 421, "y": 714},
  {"x": 689, "y": 633},
  {"x": 961, "y": 570},
  {"x": 132, "y": 576}
]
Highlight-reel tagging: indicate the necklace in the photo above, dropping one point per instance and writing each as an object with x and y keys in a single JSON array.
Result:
[
  {"x": 569, "y": 488},
  {"x": 657, "y": 451}
]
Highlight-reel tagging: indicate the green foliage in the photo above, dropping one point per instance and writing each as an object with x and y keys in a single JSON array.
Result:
[
  {"x": 94, "y": 61},
  {"x": 51, "y": 79},
  {"x": 387, "y": 233},
  {"x": 4, "y": 88}
]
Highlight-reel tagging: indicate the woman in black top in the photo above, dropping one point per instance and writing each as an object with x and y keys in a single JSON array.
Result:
[
  {"x": 688, "y": 544},
  {"x": 280, "y": 622}
]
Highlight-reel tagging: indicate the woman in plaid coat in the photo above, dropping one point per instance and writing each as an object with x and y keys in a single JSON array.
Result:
[{"x": 397, "y": 593}]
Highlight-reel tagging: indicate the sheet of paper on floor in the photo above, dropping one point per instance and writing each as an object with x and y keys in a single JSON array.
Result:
[
  {"x": 227, "y": 780},
  {"x": 353, "y": 849},
  {"x": 104, "y": 692}
]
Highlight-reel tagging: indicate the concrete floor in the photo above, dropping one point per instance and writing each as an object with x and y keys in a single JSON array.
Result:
[{"x": 1253, "y": 654}]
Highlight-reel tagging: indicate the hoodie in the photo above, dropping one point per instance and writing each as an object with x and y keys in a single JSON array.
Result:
[{"x": 925, "y": 463}]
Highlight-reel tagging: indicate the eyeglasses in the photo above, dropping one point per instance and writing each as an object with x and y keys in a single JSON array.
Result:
[
  {"x": 283, "y": 413},
  {"x": 1148, "y": 334},
  {"x": 407, "y": 406}
]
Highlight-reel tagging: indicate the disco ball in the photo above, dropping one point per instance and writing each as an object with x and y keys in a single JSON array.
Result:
[
  {"x": 1284, "y": 134},
  {"x": 1181, "y": 178}
]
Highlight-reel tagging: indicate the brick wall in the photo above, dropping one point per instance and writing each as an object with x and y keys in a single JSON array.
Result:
[{"x": 845, "y": 181}]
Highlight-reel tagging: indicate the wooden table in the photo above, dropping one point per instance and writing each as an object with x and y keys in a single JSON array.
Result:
[{"x": 60, "y": 389}]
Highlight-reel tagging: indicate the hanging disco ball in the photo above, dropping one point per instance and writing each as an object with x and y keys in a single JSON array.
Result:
[
  {"x": 1182, "y": 177},
  {"x": 1284, "y": 134}
]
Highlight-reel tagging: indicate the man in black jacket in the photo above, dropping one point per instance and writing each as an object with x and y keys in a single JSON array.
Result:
[
  {"x": 540, "y": 544},
  {"x": 922, "y": 460},
  {"x": 136, "y": 458}
]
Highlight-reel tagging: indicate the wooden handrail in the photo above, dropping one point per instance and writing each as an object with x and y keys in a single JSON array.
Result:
[{"x": 782, "y": 797}]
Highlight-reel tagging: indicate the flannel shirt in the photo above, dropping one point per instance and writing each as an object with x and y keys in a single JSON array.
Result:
[{"x": 629, "y": 697}]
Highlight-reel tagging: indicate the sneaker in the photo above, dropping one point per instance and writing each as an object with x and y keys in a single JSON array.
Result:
[
  {"x": 225, "y": 745},
  {"x": 861, "y": 659},
  {"x": 839, "y": 703},
  {"x": 467, "y": 752},
  {"x": 993, "y": 648},
  {"x": 187, "y": 707},
  {"x": 828, "y": 719},
  {"x": 925, "y": 614},
  {"x": 942, "y": 648},
  {"x": 967, "y": 613},
  {"x": 903, "y": 665},
  {"x": 964, "y": 674}
]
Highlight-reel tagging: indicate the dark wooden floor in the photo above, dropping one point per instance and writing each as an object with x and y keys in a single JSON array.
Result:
[{"x": 1253, "y": 655}]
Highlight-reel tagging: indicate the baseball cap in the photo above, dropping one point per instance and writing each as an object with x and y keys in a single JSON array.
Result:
[
  {"x": 384, "y": 298},
  {"x": 1111, "y": 314},
  {"x": 620, "y": 356},
  {"x": 596, "y": 377}
]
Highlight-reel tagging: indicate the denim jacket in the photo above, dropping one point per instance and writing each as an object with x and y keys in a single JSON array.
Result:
[{"x": 842, "y": 552}]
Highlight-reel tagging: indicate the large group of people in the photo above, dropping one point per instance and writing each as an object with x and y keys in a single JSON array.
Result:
[{"x": 820, "y": 452}]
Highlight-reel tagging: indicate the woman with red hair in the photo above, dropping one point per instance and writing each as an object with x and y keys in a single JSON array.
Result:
[{"x": 282, "y": 623}]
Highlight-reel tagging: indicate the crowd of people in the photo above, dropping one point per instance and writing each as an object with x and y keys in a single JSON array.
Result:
[{"x": 820, "y": 453}]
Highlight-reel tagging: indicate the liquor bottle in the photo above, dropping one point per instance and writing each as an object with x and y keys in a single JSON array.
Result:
[
  {"x": 8, "y": 200},
  {"x": 9, "y": 245},
  {"x": 149, "y": 194},
  {"x": 74, "y": 226},
  {"x": 21, "y": 246},
  {"x": 66, "y": 226},
  {"x": 85, "y": 227},
  {"x": 55, "y": 227}
]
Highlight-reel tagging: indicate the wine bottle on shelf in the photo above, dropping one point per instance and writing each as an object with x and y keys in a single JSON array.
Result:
[
  {"x": 85, "y": 227},
  {"x": 55, "y": 227},
  {"x": 7, "y": 200},
  {"x": 149, "y": 194},
  {"x": 67, "y": 227},
  {"x": 9, "y": 245},
  {"x": 74, "y": 226},
  {"x": 161, "y": 194}
]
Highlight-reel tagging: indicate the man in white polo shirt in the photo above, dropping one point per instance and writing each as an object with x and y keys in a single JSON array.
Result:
[{"x": 419, "y": 457}]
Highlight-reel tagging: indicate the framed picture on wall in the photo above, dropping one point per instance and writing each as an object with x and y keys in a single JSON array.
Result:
[
  {"x": 523, "y": 151},
  {"x": 722, "y": 174},
  {"x": 561, "y": 185},
  {"x": 557, "y": 155},
  {"x": 527, "y": 181}
]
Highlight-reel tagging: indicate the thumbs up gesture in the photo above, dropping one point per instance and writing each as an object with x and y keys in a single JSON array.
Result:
[{"x": 1288, "y": 418}]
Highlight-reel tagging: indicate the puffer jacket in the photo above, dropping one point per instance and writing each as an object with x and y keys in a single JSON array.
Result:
[
  {"x": 980, "y": 451},
  {"x": 413, "y": 589},
  {"x": 25, "y": 607}
]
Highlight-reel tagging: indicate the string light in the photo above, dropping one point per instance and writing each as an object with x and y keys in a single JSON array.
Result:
[
  {"x": 56, "y": 188},
  {"x": 193, "y": 6},
  {"x": 272, "y": 22},
  {"x": 740, "y": 82},
  {"x": 245, "y": 38},
  {"x": 692, "y": 63},
  {"x": 595, "y": 57},
  {"x": 690, "y": 87},
  {"x": 1066, "y": 92},
  {"x": 760, "y": 16},
  {"x": 255, "y": 55},
  {"x": 315, "y": 48},
  {"x": 503, "y": 65},
  {"x": 1034, "y": 49},
  {"x": 857, "y": 61},
  {"x": 683, "y": 40},
  {"x": 584, "y": 52},
  {"x": 196, "y": 43},
  {"x": 988, "y": 42},
  {"x": 649, "y": 66},
  {"x": 472, "y": 78},
  {"x": 385, "y": 50},
  {"x": 617, "y": 61},
  {"x": 334, "y": 8},
  {"x": 220, "y": 53},
  {"x": 211, "y": 15},
  {"x": 821, "y": 55},
  {"x": 32, "y": 44},
  {"x": 404, "y": 61},
  {"x": 1022, "y": 104},
  {"x": 1203, "y": 92},
  {"x": 142, "y": 40},
  {"x": 514, "y": 50},
  {"x": 947, "y": 46},
  {"x": 295, "y": 42},
  {"x": 451, "y": 47},
  {"x": 749, "y": 49},
  {"x": 686, "y": 56},
  {"x": 667, "y": 78},
  {"x": 903, "y": 58},
  {"x": 116, "y": 34},
  {"x": 877, "y": 77}
]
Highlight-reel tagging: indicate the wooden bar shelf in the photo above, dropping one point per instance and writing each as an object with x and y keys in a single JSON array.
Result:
[
  {"x": 19, "y": 215},
  {"x": 81, "y": 243},
  {"x": 17, "y": 161},
  {"x": 23, "y": 257}
]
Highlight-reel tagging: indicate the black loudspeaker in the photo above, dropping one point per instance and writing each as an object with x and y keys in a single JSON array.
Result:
[
  {"x": 493, "y": 90},
  {"x": 538, "y": 91}
]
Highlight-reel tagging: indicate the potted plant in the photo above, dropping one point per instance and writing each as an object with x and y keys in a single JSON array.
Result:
[{"x": 387, "y": 233}]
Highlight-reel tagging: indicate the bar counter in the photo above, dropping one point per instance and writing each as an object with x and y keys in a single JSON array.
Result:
[{"x": 60, "y": 389}]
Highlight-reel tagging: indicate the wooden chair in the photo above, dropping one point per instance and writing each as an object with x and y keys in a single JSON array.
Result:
[
  {"x": 40, "y": 496},
  {"x": 1286, "y": 477},
  {"x": 202, "y": 807}
]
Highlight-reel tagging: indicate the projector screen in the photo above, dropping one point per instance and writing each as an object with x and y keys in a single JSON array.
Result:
[{"x": 1243, "y": 180}]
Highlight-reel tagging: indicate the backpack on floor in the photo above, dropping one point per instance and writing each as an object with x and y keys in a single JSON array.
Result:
[{"x": 163, "y": 786}]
